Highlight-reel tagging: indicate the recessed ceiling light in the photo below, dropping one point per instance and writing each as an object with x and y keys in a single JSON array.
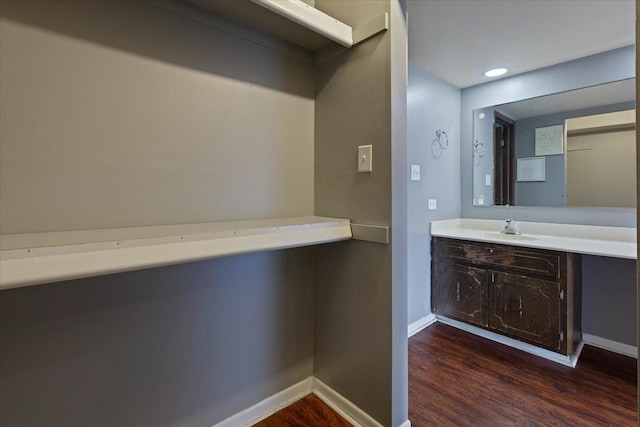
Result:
[{"x": 495, "y": 72}]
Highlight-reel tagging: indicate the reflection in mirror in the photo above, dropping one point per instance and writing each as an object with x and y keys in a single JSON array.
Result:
[{"x": 570, "y": 149}]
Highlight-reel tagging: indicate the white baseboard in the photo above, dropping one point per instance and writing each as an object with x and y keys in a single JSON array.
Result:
[
  {"x": 613, "y": 346},
  {"x": 269, "y": 406},
  {"x": 529, "y": 348},
  {"x": 420, "y": 324},
  {"x": 272, "y": 404},
  {"x": 342, "y": 406},
  {"x": 406, "y": 424}
]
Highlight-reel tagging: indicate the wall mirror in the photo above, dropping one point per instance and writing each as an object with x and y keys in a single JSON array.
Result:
[{"x": 569, "y": 149}]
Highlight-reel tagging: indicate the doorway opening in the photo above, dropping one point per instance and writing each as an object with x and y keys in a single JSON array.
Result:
[{"x": 503, "y": 160}]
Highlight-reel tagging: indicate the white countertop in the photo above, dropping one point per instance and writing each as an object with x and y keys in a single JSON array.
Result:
[{"x": 618, "y": 242}]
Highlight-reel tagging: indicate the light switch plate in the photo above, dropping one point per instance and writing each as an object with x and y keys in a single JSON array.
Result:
[
  {"x": 365, "y": 163},
  {"x": 415, "y": 172},
  {"x": 487, "y": 180},
  {"x": 433, "y": 204}
]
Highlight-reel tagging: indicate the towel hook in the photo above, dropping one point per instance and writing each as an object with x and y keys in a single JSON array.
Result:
[{"x": 439, "y": 133}]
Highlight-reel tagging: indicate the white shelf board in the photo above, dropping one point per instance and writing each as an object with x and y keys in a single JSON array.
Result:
[
  {"x": 38, "y": 258},
  {"x": 311, "y": 18},
  {"x": 293, "y": 21}
]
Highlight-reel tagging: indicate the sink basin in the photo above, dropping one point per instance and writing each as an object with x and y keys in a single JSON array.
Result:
[{"x": 510, "y": 236}]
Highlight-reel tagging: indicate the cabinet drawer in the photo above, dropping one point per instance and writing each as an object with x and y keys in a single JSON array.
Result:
[{"x": 513, "y": 258}]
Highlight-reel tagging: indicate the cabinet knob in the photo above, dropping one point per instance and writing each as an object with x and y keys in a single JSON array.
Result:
[{"x": 490, "y": 250}]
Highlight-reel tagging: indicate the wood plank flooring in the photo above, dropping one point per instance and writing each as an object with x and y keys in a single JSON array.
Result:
[
  {"x": 309, "y": 411},
  {"x": 459, "y": 379}
]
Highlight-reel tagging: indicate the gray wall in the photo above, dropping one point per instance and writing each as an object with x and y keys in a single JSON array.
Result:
[
  {"x": 122, "y": 114},
  {"x": 614, "y": 65},
  {"x": 399, "y": 208},
  {"x": 608, "y": 298},
  {"x": 118, "y": 114},
  {"x": 178, "y": 346},
  {"x": 359, "y": 323},
  {"x": 431, "y": 104},
  {"x": 552, "y": 191}
]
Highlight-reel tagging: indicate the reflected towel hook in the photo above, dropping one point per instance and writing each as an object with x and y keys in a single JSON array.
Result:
[
  {"x": 478, "y": 149},
  {"x": 439, "y": 134}
]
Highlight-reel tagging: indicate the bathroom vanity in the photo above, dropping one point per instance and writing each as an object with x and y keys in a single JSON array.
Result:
[
  {"x": 528, "y": 294},
  {"x": 525, "y": 287}
]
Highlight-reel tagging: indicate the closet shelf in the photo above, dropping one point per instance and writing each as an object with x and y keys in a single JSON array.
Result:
[
  {"x": 38, "y": 258},
  {"x": 292, "y": 20}
]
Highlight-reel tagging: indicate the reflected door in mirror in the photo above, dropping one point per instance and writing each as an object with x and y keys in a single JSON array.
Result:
[{"x": 504, "y": 160}]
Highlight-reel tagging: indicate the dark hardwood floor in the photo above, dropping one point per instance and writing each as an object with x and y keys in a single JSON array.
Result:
[
  {"x": 309, "y": 411},
  {"x": 459, "y": 379}
]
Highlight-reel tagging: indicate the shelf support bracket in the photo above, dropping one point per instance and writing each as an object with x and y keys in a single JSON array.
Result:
[
  {"x": 371, "y": 28},
  {"x": 370, "y": 233}
]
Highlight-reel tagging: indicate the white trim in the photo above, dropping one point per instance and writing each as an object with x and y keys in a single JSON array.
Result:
[
  {"x": 406, "y": 424},
  {"x": 420, "y": 324},
  {"x": 613, "y": 346},
  {"x": 529, "y": 348},
  {"x": 269, "y": 406},
  {"x": 272, "y": 404},
  {"x": 342, "y": 406}
]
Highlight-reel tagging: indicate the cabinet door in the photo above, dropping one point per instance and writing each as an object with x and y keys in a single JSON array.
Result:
[
  {"x": 527, "y": 309},
  {"x": 460, "y": 292}
]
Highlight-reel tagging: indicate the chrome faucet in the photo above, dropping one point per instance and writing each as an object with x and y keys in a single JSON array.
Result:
[{"x": 508, "y": 228}]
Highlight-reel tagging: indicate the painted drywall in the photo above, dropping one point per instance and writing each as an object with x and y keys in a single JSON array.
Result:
[
  {"x": 119, "y": 114},
  {"x": 122, "y": 114},
  {"x": 609, "y": 66},
  {"x": 399, "y": 213},
  {"x": 187, "y": 345},
  {"x": 608, "y": 299},
  {"x": 431, "y": 104},
  {"x": 359, "y": 313},
  {"x": 604, "y": 173}
]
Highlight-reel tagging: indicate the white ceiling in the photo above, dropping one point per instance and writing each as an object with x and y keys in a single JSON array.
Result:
[
  {"x": 458, "y": 40},
  {"x": 593, "y": 96}
]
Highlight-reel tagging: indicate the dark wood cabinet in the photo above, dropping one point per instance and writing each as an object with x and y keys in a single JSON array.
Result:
[
  {"x": 528, "y": 309},
  {"x": 462, "y": 292},
  {"x": 529, "y": 294}
]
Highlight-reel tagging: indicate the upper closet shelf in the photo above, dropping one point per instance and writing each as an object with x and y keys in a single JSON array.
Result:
[
  {"x": 292, "y": 20},
  {"x": 311, "y": 18},
  {"x": 33, "y": 259}
]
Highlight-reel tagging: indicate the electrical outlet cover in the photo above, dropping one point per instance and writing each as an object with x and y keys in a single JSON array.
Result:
[{"x": 415, "y": 172}]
